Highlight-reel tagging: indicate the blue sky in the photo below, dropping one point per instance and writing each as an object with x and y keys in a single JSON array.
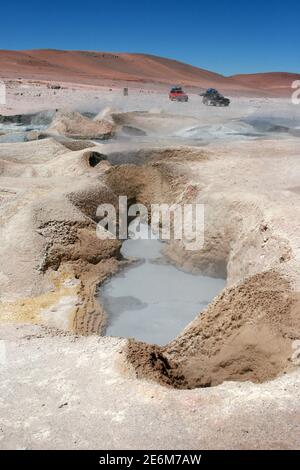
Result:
[{"x": 223, "y": 36}]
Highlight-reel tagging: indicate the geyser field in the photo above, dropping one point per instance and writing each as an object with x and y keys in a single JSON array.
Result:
[{"x": 230, "y": 378}]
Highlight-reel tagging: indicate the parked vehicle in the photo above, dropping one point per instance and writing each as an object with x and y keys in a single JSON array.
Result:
[
  {"x": 177, "y": 94},
  {"x": 212, "y": 97}
]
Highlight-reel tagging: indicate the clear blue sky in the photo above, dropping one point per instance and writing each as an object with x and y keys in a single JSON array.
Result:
[{"x": 223, "y": 36}]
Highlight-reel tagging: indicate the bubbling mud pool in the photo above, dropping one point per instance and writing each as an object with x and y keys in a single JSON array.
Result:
[{"x": 152, "y": 300}]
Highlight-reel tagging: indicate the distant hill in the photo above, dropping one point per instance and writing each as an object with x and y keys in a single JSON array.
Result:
[
  {"x": 276, "y": 82},
  {"x": 94, "y": 68}
]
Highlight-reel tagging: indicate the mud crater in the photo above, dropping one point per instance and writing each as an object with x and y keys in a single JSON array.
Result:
[
  {"x": 152, "y": 300},
  {"x": 245, "y": 333}
]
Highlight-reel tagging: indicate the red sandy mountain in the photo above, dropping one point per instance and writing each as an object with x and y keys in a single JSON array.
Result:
[
  {"x": 98, "y": 67},
  {"x": 276, "y": 82}
]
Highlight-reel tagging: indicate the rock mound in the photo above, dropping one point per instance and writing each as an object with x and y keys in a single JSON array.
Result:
[{"x": 76, "y": 126}]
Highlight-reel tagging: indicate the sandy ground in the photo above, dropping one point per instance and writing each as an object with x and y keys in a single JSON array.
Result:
[
  {"x": 72, "y": 393},
  {"x": 27, "y": 96},
  {"x": 62, "y": 389}
]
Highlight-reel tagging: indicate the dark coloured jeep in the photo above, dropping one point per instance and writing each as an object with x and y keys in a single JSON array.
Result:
[{"x": 212, "y": 97}]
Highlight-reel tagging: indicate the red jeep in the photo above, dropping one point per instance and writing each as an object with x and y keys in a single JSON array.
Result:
[{"x": 177, "y": 94}]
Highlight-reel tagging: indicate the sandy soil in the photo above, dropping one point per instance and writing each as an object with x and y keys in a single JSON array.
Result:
[
  {"x": 65, "y": 392},
  {"x": 28, "y": 96},
  {"x": 243, "y": 164}
]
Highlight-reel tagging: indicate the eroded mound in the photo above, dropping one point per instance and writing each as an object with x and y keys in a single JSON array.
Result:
[
  {"x": 245, "y": 334},
  {"x": 75, "y": 125}
]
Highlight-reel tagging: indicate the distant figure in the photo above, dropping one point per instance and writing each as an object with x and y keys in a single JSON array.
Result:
[{"x": 125, "y": 91}]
